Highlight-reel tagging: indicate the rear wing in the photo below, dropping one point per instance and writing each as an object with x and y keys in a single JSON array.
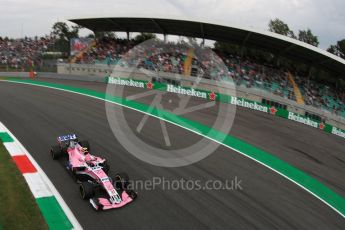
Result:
[{"x": 67, "y": 137}]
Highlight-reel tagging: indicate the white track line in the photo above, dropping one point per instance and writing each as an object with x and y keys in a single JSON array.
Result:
[{"x": 267, "y": 166}]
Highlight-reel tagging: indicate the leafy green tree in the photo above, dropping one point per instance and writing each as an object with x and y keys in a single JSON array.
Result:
[
  {"x": 278, "y": 26},
  {"x": 143, "y": 37},
  {"x": 107, "y": 34},
  {"x": 338, "y": 49},
  {"x": 228, "y": 48},
  {"x": 64, "y": 34},
  {"x": 90, "y": 35},
  {"x": 308, "y": 37}
]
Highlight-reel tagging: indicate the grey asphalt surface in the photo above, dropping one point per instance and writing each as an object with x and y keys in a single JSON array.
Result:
[
  {"x": 266, "y": 201},
  {"x": 320, "y": 154}
]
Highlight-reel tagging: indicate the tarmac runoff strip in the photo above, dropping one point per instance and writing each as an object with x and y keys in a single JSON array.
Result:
[
  {"x": 303, "y": 180},
  {"x": 54, "y": 209}
]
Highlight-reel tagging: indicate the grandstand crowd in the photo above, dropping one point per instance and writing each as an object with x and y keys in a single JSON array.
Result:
[
  {"x": 20, "y": 54},
  {"x": 243, "y": 71}
]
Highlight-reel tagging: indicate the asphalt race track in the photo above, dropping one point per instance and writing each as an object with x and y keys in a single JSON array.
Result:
[
  {"x": 267, "y": 201},
  {"x": 290, "y": 141}
]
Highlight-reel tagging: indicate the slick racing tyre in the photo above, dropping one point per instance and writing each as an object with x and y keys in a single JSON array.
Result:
[
  {"x": 121, "y": 180},
  {"x": 55, "y": 152},
  {"x": 86, "y": 190}
]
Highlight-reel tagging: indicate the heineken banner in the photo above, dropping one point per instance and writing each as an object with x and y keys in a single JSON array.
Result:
[
  {"x": 214, "y": 96},
  {"x": 338, "y": 132},
  {"x": 186, "y": 91},
  {"x": 126, "y": 82}
]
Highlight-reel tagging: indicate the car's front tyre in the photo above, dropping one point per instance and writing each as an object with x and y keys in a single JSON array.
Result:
[
  {"x": 86, "y": 190},
  {"x": 121, "y": 180}
]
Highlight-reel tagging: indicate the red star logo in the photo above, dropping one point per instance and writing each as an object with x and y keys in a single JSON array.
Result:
[
  {"x": 321, "y": 125},
  {"x": 273, "y": 110},
  {"x": 149, "y": 85},
  {"x": 212, "y": 96}
]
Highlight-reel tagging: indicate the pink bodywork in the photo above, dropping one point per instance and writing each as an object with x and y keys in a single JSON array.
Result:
[
  {"x": 126, "y": 199},
  {"x": 109, "y": 188},
  {"x": 77, "y": 159}
]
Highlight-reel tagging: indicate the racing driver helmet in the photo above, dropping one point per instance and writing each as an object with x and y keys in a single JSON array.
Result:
[{"x": 84, "y": 150}]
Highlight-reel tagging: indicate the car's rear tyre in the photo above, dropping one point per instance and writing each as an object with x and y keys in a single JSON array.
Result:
[
  {"x": 85, "y": 144},
  {"x": 121, "y": 180},
  {"x": 64, "y": 150},
  {"x": 55, "y": 152},
  {"x": 86, "y": 190},
  {"x": 74, "y": 175}
]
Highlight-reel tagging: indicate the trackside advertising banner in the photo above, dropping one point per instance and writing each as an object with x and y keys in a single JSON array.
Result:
[
  {"x": 207, "y": 95},
  {"x": 126, "y": 82}
]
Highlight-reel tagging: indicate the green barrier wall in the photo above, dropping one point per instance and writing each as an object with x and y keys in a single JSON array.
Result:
[{"x": 228, "y": 99}]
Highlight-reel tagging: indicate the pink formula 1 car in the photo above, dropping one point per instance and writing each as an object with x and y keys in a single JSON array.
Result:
[{"x": 91, "y": 173}]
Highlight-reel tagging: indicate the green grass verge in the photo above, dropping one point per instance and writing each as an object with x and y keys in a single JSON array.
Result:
[{"x": 18, "y": 208}]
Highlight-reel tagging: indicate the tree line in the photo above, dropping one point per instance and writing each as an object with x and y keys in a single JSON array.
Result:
[
  {"x": 64, "y": 34},
  {"x": 278, "y": 26}
]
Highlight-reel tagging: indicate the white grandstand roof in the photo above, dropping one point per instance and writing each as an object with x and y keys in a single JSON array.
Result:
[{"x": 272, "y": 42}]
